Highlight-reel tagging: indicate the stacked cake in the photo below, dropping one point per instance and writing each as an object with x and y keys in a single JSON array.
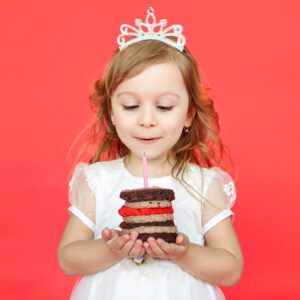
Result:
[{"x": 149, "y": 211}]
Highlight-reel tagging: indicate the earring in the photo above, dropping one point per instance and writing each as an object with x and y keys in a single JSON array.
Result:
[{"x": 186, "y": 129}]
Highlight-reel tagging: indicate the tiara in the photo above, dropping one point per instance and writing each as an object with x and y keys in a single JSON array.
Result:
[{"x": 150, "y": 30}]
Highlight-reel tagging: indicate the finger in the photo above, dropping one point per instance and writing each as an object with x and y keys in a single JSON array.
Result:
[
  {"x": 134, "y": 235},
  {"x": 142, "y": 252},
  {"x": 106, "y": 234},
  {"x": 115, "y": 233},
  {"x": 182, "y": 239},
  {"x": 138, "y": 244},
  {"x": 126, "y": 248},
  {"x": 155, "y": 247},
  {"x": 119, "y": 242},
  {"x": 179, "y": 239},
  {"x": 137, "y": 249},
  {"x": 145, "y": 245},
  {"x": 166, "y": 247},
  {"x": 148, "y": 250}
]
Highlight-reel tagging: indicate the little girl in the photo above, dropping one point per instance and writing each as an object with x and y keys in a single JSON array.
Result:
[{"x": 150, "y": 100}]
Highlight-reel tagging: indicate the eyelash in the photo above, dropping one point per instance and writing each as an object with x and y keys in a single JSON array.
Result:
[{"x": 162, "y": 108}]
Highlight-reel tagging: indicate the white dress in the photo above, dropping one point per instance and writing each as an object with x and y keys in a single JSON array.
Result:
[{"x": 94, "y": 197}]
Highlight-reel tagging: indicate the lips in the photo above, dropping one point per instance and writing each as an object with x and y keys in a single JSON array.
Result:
[{"x": 147, "y": 140}]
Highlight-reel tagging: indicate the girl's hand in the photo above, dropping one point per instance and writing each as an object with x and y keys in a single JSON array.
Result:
[
  {"x": 161, "y": 249},
  {"x": 123, "y": 245}
]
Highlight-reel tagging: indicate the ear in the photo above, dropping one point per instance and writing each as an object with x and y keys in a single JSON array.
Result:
[{"x": 190, "y": 117}]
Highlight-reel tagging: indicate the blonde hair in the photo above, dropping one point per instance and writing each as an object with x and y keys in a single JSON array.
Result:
[{"x": 201, "y": 145}]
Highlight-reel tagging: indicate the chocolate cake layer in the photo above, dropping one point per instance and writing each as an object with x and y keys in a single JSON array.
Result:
[
  {"x": 148, "y": 204},
  {"x": 168, "y": 237},
  {"x": 147, "y": 194},
  {"x": 150, "y": 218},
  {"x": 125, "y": 225},
  {"x": 152, "y": 229}
]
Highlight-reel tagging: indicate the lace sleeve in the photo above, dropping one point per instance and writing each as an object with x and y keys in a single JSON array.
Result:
[
  {"x": 81, "y": 197},
  {"x": 220, "y": 197}
]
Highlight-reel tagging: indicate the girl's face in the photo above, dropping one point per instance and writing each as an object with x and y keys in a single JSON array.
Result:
[{"x": 149, "y": 111}]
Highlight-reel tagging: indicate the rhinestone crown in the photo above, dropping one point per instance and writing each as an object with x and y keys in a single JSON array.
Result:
[{"x": 150, "y": 30}]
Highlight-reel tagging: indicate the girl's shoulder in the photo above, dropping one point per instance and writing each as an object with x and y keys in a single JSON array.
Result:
[
  {"x": 98, "y": 171},
  {"x": 208, "y": 174},
  {"x": 201, "y": 175},
  {"x": 106, "y": 167}
]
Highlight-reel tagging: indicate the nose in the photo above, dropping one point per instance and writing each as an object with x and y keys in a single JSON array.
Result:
[{"x": 147, "y": 118}]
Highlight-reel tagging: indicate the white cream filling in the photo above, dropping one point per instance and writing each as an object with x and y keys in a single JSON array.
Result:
[
  {"x": 150, "y": 218},
  {"x": 148, "y": 204}
]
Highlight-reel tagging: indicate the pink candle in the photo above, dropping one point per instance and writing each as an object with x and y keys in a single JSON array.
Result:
[{"x": 145, "y": 170}]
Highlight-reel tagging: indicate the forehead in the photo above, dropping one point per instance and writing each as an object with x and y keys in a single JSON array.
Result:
[{"x": 155, "y": 79}]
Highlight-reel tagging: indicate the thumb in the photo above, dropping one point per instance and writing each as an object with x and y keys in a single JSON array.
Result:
[
  {"x": 181, "y": 239},
  {"x": 106, "y": 234}
]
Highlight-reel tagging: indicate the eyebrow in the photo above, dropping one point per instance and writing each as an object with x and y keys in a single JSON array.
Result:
[{"x": 160, "y": 94}]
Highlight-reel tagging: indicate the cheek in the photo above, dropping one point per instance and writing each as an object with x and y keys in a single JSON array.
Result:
[
  {"x": 123, "y": 124},
  {"x": 174, "y": 124},
  {"x": 172, "y": 132}
]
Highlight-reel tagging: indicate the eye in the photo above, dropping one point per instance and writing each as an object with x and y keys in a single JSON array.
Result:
[
  {"x": 165, "y": 108},
  {"x": 130, "y": 107}
]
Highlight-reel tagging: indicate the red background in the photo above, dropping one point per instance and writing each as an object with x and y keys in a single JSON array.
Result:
[{"x": 52, "y": 51}]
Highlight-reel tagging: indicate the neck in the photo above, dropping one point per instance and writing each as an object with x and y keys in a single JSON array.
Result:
[{"x": 159, "y": 167}]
